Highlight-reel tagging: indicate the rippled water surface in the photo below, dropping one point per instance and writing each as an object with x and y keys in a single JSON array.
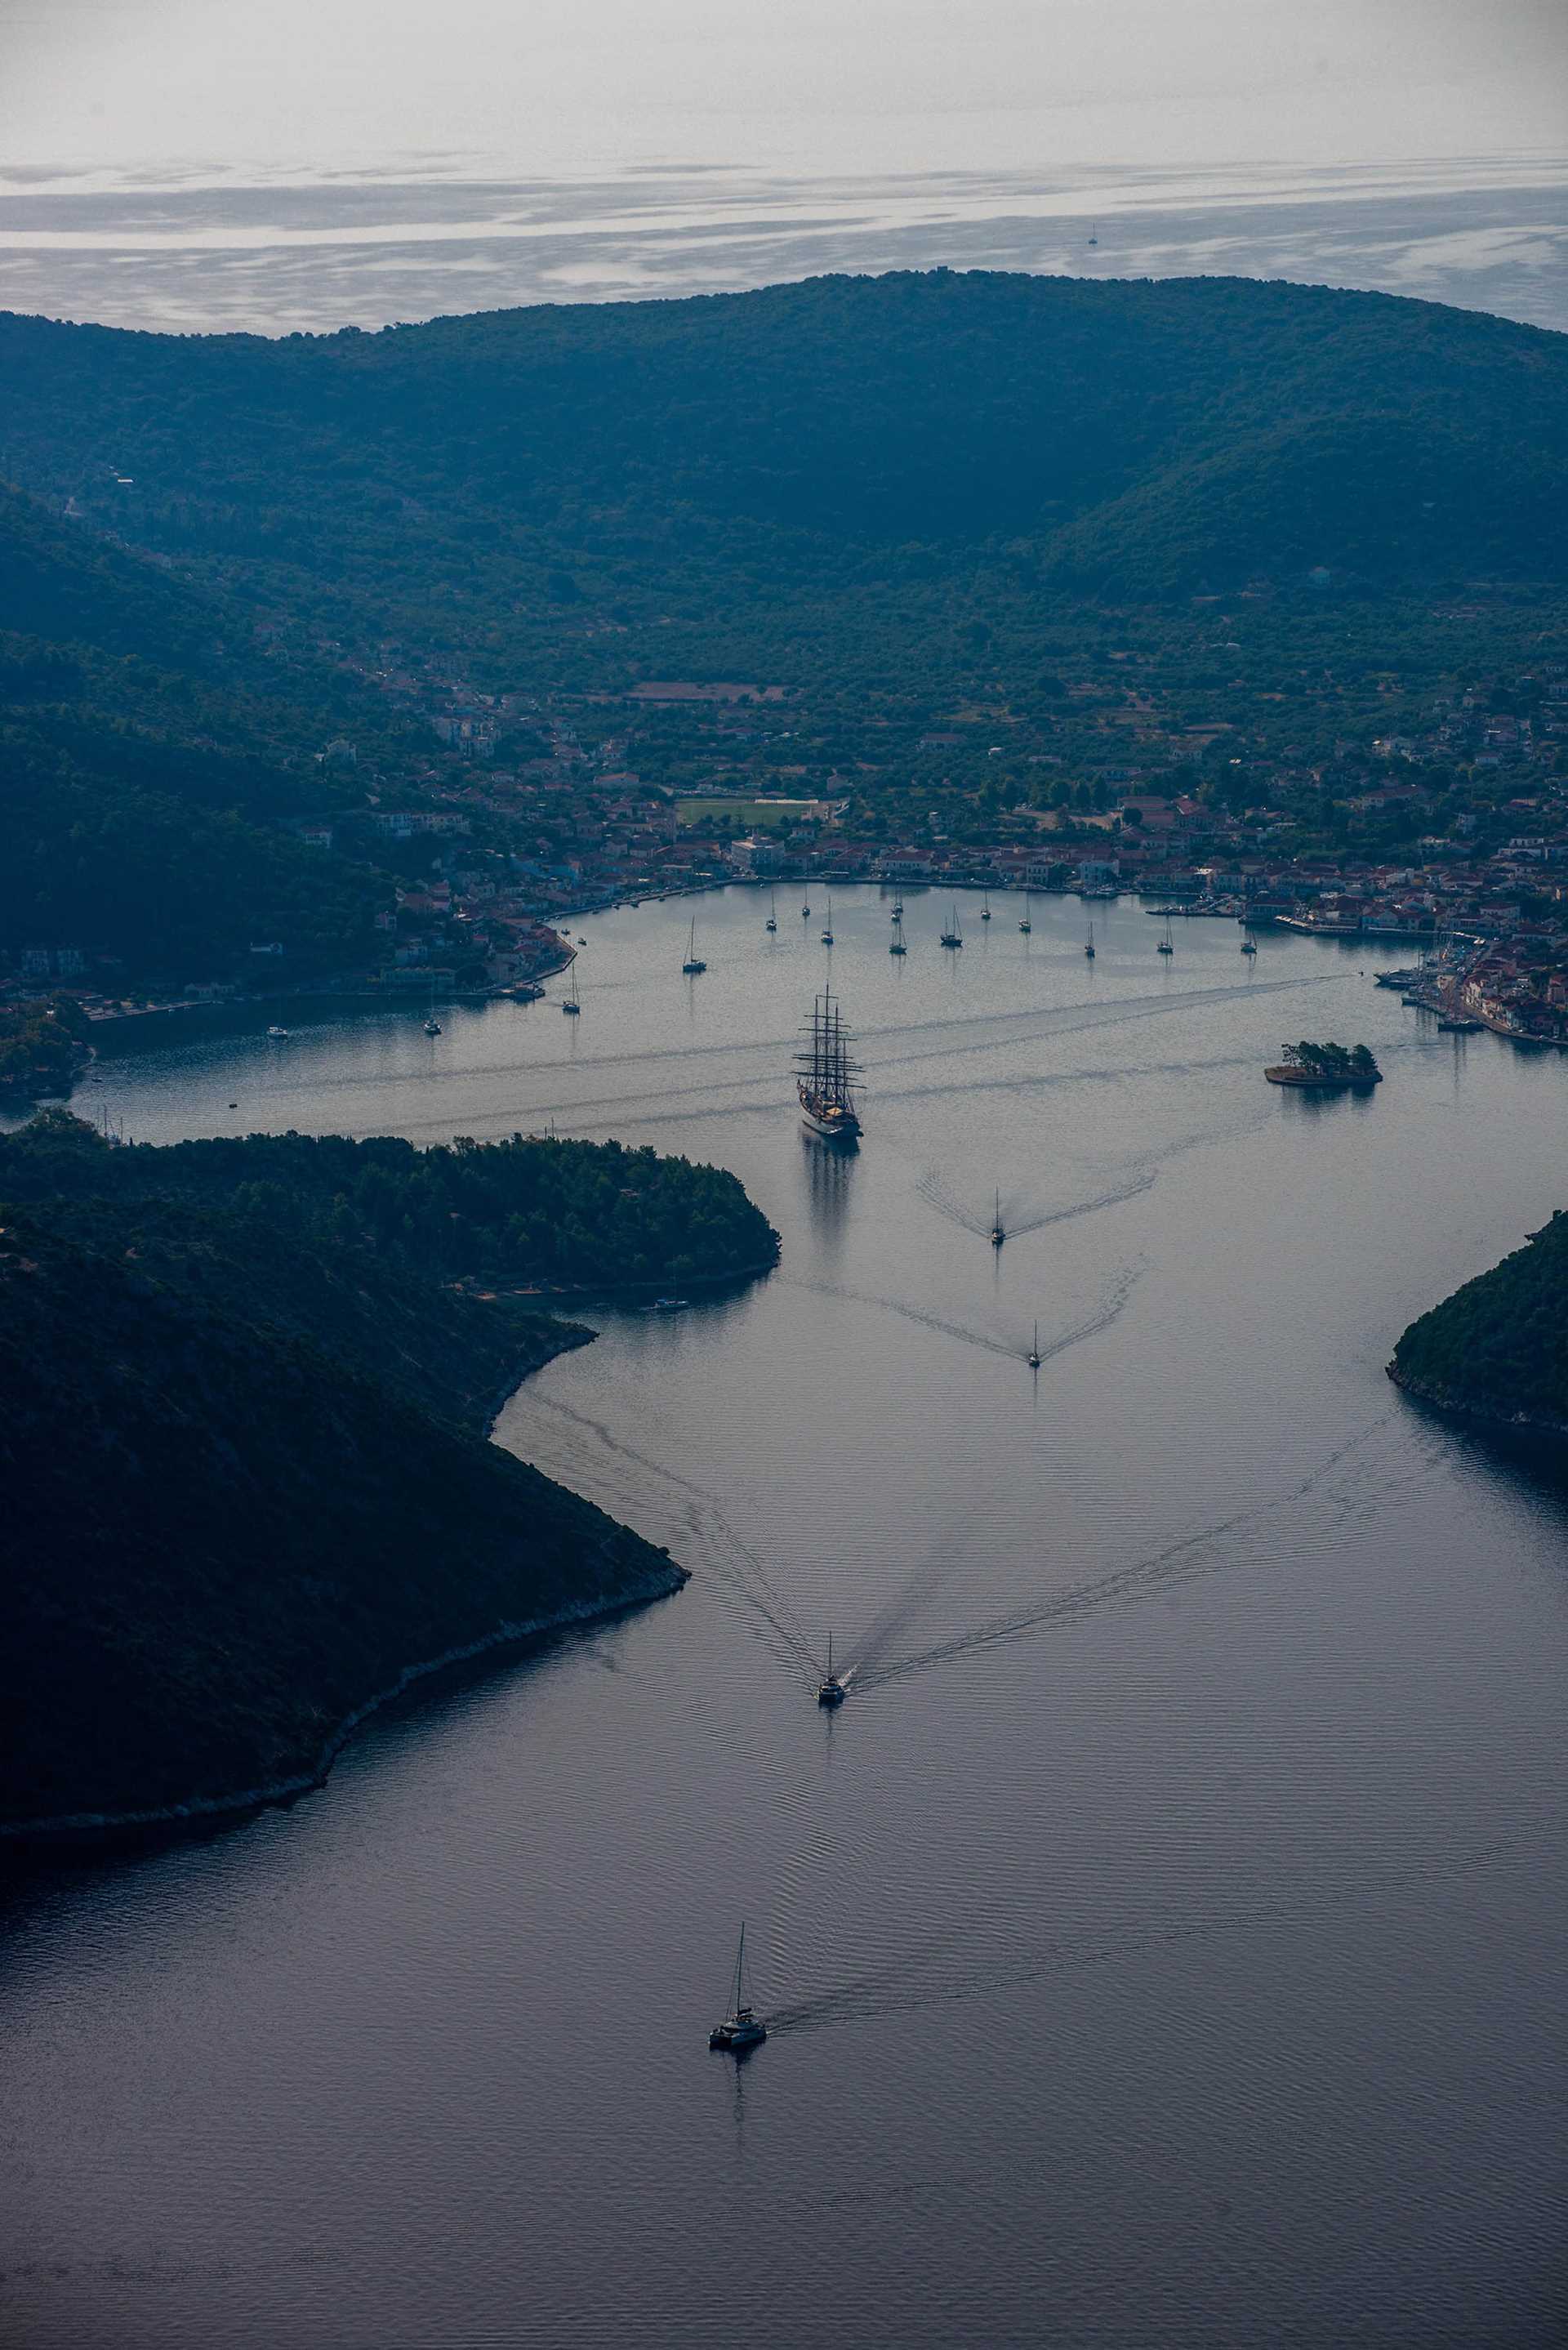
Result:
[{"x": 1163, "y": 1943}]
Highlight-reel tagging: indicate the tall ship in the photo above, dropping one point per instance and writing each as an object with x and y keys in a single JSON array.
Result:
[{"x": 826, "y": 1074}]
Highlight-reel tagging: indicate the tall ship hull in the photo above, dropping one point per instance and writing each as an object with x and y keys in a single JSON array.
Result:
[
  {"x": 826, "y": 1118},
  {"x": 826, "y": 1074}
]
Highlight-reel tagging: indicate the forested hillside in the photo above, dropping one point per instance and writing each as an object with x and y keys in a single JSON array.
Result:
[
  {"x": 1498, "y": 1347},
  {"x": 246, "y": 1488},
  {"x": 144, "y": 767},
  {"x": 1139, "y": 435}
]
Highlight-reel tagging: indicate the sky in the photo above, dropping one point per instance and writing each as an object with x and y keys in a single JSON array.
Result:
[{"x": 167, "y": 89}]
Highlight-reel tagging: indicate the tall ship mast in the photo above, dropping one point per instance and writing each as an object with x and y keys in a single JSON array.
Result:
[{"x": 826, "y": 1074}]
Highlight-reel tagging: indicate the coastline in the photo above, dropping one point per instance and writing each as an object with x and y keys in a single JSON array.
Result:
[
  {"x": 77, "y": 1827},
  {"x": 1463, "y": 1407},
  {"x": 89, "y": 1829}
]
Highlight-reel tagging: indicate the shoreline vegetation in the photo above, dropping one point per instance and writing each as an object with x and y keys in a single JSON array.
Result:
[
  {"x": 1497, "y": 1350},
  {"x": 250, "y": 1493},
  {"x": 1327, "y": 1068}
]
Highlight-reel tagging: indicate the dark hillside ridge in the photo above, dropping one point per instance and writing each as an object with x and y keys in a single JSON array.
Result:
[
  {"x": 246, "y": 1487},
  {"x": 224, "y": 1543},
  {"x": 1498, "y": 1348},
  {"x": 1228, "y": 422},
  {"x": 144, "y": 769}
]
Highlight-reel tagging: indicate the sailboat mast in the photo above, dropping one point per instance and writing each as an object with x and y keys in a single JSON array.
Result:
[{"x": 739, "y": 1969}]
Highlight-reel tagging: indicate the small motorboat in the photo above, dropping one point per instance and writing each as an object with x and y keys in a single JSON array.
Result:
[
  {"x": 806, "y": 911},
  {"x": 741, "y": 2028},
  {"x": 276, "y": 1032},
  {"x": 830, "y": 1690},
  {"x": 669, "y": 1304},
  {"x": 433, "y": 1026}
]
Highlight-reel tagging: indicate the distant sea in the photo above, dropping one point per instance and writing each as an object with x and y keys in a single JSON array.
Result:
[{"x": 194, "y": 251}]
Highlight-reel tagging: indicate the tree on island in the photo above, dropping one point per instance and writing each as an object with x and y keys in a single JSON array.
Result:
[{"x": 1352, "y": 1064}]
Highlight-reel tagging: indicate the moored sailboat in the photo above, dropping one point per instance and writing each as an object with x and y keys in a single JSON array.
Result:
[
  {"x": 952, "y": 936},
  {"x": 998, "y": 1229},
  {"x": 773, "y": 921},
  {"x": 693, "y": 963},
  {"x": 1089, "y": 948},
  {"x": 1026, "y": 925}
]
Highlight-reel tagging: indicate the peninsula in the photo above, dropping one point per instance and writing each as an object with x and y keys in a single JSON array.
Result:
[
  {"x": 249, "y": 1494},
  {"x": 1498, "y": 1348}
]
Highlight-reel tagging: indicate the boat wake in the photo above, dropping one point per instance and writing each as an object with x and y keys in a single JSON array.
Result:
[
  {"x": 949, "y": 1969},
  {"x": 734, "y": 1564},
  {"x": 1118, "y": 1289},
  {"x": 1193, "y": 1555},
  {"x": 1021, "y": 1216}
]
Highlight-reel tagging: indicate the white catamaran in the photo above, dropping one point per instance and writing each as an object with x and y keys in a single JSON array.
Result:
[{"x": 826, "y": 1074}]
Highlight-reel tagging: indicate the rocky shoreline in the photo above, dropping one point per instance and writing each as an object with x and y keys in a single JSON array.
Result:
[
  {"x": 200, "y": 1810},
  {"x": 1459, "y": 1407}
]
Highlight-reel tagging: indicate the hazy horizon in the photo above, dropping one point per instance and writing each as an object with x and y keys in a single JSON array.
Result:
[{"x": 197, "y": 164}]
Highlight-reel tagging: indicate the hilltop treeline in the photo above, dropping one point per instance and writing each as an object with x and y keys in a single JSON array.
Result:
[
  {"x": 524, "y": 1212},
  {"x": 1498, "y": 1347},
  {"x": 1152, "y": 433}
]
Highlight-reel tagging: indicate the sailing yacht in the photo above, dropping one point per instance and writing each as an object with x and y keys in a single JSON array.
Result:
[
  {"x": 1034, "y": 1349},
  {"x": 1166, "y": 944},
  {"x": 432, "y": 1025},
  {"x": 1089, "y": 949},
  {"x": 998, "y": 1229},
  {"x": 825, "y": 1076},
  {"x": 773, "y": 921},
  {"x": 1026, "y": 925},
  {"x": 569, "y": 1003},
  {"x": 896, "y": 943},
  {"x": 899, "y": 907},
  {"x": 985, "y": 906},
  {"x": 740, "y": 2029},
  {"x": 830, "y": 1690},
  {"x": 1249, "y": 944},
  {"x": 952, "y": 936},
  {"x": 806, "y": 911},
  {"x": 693, "y": 961},
  {"x": 827, "y": 927}
]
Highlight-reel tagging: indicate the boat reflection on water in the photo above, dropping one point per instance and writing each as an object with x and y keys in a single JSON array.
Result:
[{"x": 829, "y": 1169}]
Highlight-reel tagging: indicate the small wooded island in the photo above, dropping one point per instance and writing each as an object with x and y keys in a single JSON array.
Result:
[
  {"x": 248, "y": 1490},
  {"x": 1498, "y": 1348},
  {"x": 1324, "y": 1066}
]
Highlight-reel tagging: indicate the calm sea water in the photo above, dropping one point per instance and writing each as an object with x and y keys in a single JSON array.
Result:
[{"x": 1162, "y": 1945}]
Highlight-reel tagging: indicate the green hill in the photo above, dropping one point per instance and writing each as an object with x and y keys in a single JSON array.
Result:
[
  {"x": 144, "y": 769},
  {"x": 1254, "y": 423},
  {"x": 1498, "y": 1347},
  {"x": 246, "y": 1486}
]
